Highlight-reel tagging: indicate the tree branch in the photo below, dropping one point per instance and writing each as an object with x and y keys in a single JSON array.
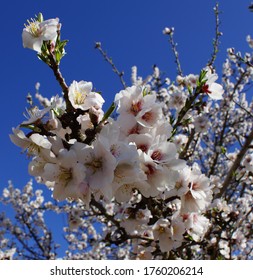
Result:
[
  {"x": 217, "y": 36},
  {"x": 175, "y": 52},
  {"x": 109, "y": 60},
  {"x": 235, "y": 165}
]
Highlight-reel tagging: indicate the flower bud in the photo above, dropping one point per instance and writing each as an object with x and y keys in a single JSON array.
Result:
[{"x": 40, "y": 17}]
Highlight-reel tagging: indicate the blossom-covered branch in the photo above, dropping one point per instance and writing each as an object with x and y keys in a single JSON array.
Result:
[{"x": 168, "y": 177}]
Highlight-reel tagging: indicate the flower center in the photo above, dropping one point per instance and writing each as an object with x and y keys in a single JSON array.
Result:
[
  {"x": 143, "y": 147},
  {"x": 79, "y": 97},
  {"x": 140, "y": 215},
  {"x": 134, "y": 130},
  {"x": 150, "y": 169},
  {"x": 178, "y": 185},
  {"x": 136, "y": 108},
  {"x": 148, "y": 116},
  {"x": 33, "y": 27},
  {"x": 33, "y": 149},
  {"x": 65, "y": 175},
  {"x": 161, "y": 229},
  {"x": 95, "y": 164},
  {"x": 205, "y": 89},
  {"x": 156, "y": 155}
]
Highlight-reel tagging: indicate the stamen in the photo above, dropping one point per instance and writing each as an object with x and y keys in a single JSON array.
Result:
[
  {"x": 33, "y": 27},
  {"x": 156, "y": 155},
  {"x": 65, "y": 175},
  {"x": 136, "y": 108},
  {"x": 79, "y": 97},
  {"x": 205, "y": 89}
]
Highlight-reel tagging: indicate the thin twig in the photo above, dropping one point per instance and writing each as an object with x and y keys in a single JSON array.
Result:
[
  {"x": 175, "y": 52},
  {"x": 56, "y": 70},
  {"x": 244, "y": 109},
  {"x": 219, "y": 144},
  {"x": 216, "y": 41},
  {"x": 183, "y": 154},
  {"x": 235, "y": 165},
  {"x": 109, "y": 60}
]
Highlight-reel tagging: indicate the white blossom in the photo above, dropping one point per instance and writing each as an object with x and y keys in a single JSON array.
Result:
[
  {"x": 82, "y": 97},
  {"x": 35, "y": 33}
]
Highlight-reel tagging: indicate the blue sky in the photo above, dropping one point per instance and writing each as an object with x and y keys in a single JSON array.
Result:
[{"x": 131, "y": 33}]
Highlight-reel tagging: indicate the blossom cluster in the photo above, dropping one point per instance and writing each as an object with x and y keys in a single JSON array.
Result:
[{"x": 147, "y": 171}]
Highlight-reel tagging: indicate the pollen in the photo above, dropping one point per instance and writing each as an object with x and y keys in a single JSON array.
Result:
[
  {"x": 148, "y": 116},
  {"x": 65, "y": 175},
  {"x": 161, "y": 229},
  {"x": 33, "y": 27},
  {"x": 79, "y": 97},
  {"x": 95, "y": 164},
  {"x": 205, "y": 89},
  {"x": 136, "y": 108},
  {"x": 156, "y": 155},
  {"x": 33, "y": 149}
]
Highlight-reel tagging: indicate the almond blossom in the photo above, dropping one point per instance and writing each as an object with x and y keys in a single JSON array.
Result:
[
  {"x": 36, "y": 32},
  {"x": 82, "y": 97},
  {"x": 214, "y": 90},
  {"x": 66, "y": 176}
]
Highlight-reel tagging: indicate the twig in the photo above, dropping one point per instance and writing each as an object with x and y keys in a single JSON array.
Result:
[
  {"x": 56, "y": 70},
  {"x": 44, "y": 250},
  {"x": 109, "y": 60},
  {"x": 185, "y": 150},
  {"x": 244, "y": 109},
  {"x": 235, "y": 165},
  {"x": 219, "y": 143},
  {"x": 216, "y": 41},
  {"x": 124, "y": 236},
  {"x": 102, "y": 210},
  {"x": 175, "y": 52}
]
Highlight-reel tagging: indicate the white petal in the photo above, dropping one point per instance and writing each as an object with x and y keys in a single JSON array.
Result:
[{"x": 40, "y": 141}]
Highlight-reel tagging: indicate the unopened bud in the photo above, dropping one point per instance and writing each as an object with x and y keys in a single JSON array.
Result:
[
  {"x": 168, "y": 31},
  {"x": 97, "y": 45},
  {"x": 40, "y": 17},
  {"x": 37, "y": 86}
]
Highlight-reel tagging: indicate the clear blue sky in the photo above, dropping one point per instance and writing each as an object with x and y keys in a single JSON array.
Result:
[{"x": 131, "y": 33}]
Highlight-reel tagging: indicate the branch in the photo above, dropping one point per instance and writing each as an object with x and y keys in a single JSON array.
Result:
[
  {"x": 56, "y": 70},
  {"x": 124, "y": 235},
  {"x": 174, "y": 50},
  {"x": 220, "y": 143},
  {"x": 183, "y": 154},
  {"x": 43, "y": 249},
  {"x": 109, "y": 60},
  {"x": 103, "y": 212},
  {"x": 235, "y": 165},
  {"x": 243, "y": 108},
  {"x": 216, "y": 41}
]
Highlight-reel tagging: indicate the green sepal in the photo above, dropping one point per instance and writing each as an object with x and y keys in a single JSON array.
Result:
[{"x": 109, "y": 112}]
